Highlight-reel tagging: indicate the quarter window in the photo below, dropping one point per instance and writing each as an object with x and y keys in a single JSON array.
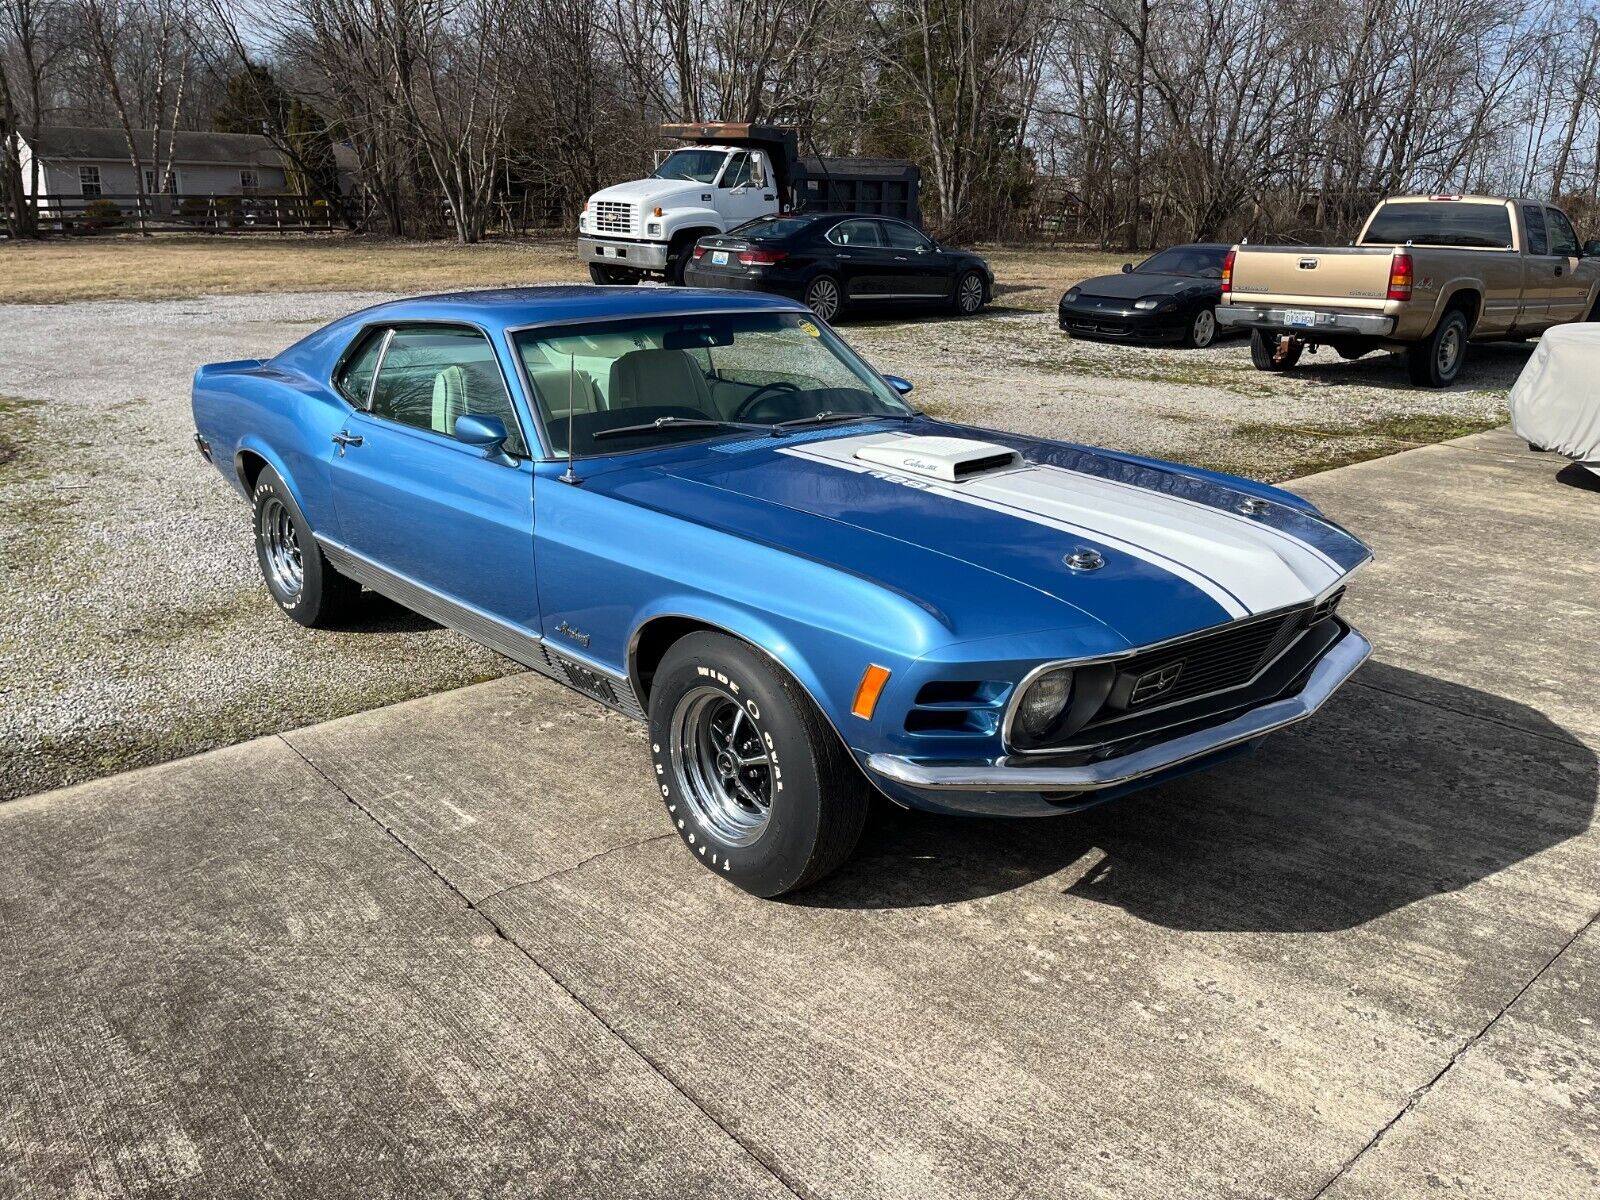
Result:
[
  {"x": 1563, "y": 239},
  {"x": 855, "y": 233},
  {"x": 89, "y": 180},
  {"x": 1533, "y": 218},
  {"x": 432, "y": 374},
  {"x": 354, "y": 378}
]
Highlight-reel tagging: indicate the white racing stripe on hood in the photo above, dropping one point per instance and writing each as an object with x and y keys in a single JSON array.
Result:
[{"x": 1244, "y": 566}]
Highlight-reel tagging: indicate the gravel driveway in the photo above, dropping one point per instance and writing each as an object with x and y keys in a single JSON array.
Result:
[{"x": 136, "y": 626}]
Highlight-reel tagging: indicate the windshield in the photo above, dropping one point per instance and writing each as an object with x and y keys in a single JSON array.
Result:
[
  {"x": 697, "y": 166},
  {"x": 1440, "y": 223},
  {"x": 1205, "y": 261},
  {"x": 750, "y": 367}
]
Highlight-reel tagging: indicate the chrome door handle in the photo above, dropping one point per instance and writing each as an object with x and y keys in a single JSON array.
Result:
[
  {"x": 900, "y": 258},
  {"x": 842, "y": 256},
  {"x": 343, "y": 439}
]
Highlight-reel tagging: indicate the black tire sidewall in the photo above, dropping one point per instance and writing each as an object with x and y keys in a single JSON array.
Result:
[
  {"x": 1426, "y": 369},
  {"x": 782, "y": 855},
  {"x": 305, "y": 607}
]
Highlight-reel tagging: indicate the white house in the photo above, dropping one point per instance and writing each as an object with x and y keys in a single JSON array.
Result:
[{"x": 94, "y": 162}]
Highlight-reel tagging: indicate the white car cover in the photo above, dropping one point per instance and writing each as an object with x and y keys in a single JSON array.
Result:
[{"x": 1555, "y": 403}]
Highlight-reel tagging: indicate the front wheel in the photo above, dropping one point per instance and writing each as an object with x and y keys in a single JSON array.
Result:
[
  {"x": 1436, "y": 360},
  {"x": 758, "y": 786},
  {"x": 612, "y": 275},
  {"x": 823, "y": 297},
  {"x": 969, "y": 294},
  {"x": 1265, "y": 352},
  {"x": 1202, "y": 329},
  {"x": 297, "y": 573}
]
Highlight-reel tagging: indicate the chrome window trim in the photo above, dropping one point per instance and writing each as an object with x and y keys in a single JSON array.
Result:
[{"x": 1133, "y": 651}]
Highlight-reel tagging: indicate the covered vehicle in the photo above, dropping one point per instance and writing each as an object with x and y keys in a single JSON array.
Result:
[
  {"x": 1171, "y": 297},
  {"x": 839, "y": 261},
  {"x": 1554, "y": 403},
  {"x": 705, "y": 511}
]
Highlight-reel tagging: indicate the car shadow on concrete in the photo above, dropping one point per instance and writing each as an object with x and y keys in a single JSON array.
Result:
[
  {"x": 1582, "y": 478},
  {"x": 1378, "y": 802}
]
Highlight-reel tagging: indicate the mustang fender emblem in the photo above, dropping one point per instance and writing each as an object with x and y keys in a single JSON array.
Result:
[{"x": 566, "y": 630}]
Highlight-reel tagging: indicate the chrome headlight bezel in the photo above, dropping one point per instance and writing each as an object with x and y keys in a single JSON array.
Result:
[{"x": 1042, "y": 699}]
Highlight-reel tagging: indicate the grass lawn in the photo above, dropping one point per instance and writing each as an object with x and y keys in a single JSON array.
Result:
[{"x": 127, "y": 267}]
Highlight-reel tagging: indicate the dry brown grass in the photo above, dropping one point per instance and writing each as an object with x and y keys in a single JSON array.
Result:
[{"x": 131, "y": 268}]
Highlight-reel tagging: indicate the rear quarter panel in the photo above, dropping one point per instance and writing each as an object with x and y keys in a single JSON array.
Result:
[{"x": 283, "y": 417}]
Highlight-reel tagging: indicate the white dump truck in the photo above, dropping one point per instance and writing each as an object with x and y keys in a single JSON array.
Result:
[{"x": 720, "y": 176}]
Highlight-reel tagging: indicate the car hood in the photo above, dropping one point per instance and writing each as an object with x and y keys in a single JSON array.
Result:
[
  {"x": 1161, "y": 551},
  {"x": 663, "y": 192},
  {"x": 1131, "y": 285}
]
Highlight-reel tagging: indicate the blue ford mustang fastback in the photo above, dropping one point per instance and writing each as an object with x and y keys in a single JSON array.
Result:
[{"x": 704, "y": 510}]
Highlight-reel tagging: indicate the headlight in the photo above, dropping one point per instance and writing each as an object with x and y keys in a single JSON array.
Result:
[
  {"x": 654, "y": 229},
  {"x": 583, "y": 220},
  {"x": 1044, "y": 701},
  {"x": 1072, "y": 294},
  {"x": 1147, "y": 302}
]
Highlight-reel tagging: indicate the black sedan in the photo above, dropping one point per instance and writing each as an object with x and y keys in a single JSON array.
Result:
[
  {"x": 834, "y": 261},
  {"x": 1170, "y": 297}
]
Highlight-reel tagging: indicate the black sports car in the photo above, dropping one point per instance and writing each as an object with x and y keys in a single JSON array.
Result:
[
  {"x": 834, "y": 261},
  {"x": 1170, "y": 296}
]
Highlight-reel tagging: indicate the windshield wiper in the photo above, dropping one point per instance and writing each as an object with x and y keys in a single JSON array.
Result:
[
  {"x": 830, "y": 418},
  {"x": 680, "y": 423}
]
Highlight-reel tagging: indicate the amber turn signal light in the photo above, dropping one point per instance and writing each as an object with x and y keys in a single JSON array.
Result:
[{"x": 871, "y": 687}]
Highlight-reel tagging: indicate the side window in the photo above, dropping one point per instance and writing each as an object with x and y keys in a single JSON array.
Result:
[
  {"x": 855, "y": 233},
  {"x": 1562, "y": 238},
  {"x": 738, "y": 172},
  {"x": 354, "y": 378},
  {"x": 901, "y": 237},
  {"x": 432, "y": 374},
  {"x": 1533, "y": 218}
]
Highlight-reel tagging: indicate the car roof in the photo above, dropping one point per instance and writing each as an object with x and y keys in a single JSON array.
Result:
[{"x": 506, "y": 308}]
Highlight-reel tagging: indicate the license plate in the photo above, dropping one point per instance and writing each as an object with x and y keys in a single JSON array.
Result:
[
  {"x": 1301, "y": 318},
  {"x": 719, "y": 258}
]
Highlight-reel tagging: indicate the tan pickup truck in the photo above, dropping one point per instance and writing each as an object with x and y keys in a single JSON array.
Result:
[{"x": 1427, "y": 275}]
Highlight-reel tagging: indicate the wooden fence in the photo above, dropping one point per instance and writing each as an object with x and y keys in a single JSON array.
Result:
[{"x": 88, "y": 215}]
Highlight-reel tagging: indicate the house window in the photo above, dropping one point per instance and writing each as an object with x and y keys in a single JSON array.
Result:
[
  {"x": 89, "y": 181},
  {"x": 171, "y": 182},
  {"x": 248, "y": 181}
]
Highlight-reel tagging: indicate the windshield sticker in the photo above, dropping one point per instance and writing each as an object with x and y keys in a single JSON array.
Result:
[{"x": 807, "y": 327}]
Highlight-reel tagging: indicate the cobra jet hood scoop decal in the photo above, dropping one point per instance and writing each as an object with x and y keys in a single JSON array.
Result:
[{"x": 947, "y": 458}]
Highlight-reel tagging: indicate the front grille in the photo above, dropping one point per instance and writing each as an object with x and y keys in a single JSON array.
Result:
[
  {"x": 1213, "y": 662},
  {"x": 613, "y": 216}
]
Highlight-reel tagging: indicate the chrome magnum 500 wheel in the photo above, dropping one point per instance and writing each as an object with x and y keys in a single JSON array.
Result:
[
  {"x": 757, "y": 785},
  {"x": 292, "y": 564}
]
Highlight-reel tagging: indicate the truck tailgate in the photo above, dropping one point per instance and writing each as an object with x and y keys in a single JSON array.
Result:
[{"x": 1345, "y": 277}]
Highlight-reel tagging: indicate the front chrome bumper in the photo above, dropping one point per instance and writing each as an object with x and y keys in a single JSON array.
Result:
[
  {"x": 1017, "y": 775},
  {"x": 1276, "y": 317},
  {"x": 620, "y": 252}
]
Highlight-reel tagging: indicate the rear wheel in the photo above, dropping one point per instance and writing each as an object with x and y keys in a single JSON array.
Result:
[
  {"x": 761, "y": 791},
  {"x": 1202, "y": 330},
  {"x": 1435, "y": 361},
  {"x": 1265, "y": 352},
  {"x": 823, "y": 297},
  {"x": 969, "y": 296},
  {"x": 297, "y": 574}
]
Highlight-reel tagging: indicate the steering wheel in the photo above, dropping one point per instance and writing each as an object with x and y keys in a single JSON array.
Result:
[{"x": 782, "y": 386}]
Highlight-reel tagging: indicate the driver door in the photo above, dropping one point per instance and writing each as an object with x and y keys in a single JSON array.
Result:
[
  {"x": 918, "y": 267},
  {"x": 417, "y": 504},
  {"x": 740, "y": 199}
]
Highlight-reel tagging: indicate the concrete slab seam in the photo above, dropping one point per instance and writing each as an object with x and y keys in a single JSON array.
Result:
[
  {"x": 1472, "y": 716},
  {"x": 778, "y": 1176},
  {"x": 1420, "y": 1093}
]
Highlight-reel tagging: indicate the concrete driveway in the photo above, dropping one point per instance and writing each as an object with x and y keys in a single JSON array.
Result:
[{"x": 450, "y": 947}]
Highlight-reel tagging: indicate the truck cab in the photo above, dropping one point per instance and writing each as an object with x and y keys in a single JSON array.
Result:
[{"x": 649, "y": 226}]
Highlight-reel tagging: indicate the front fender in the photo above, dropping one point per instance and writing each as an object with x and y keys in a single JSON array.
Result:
[{"x": 702, "y": 220}]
